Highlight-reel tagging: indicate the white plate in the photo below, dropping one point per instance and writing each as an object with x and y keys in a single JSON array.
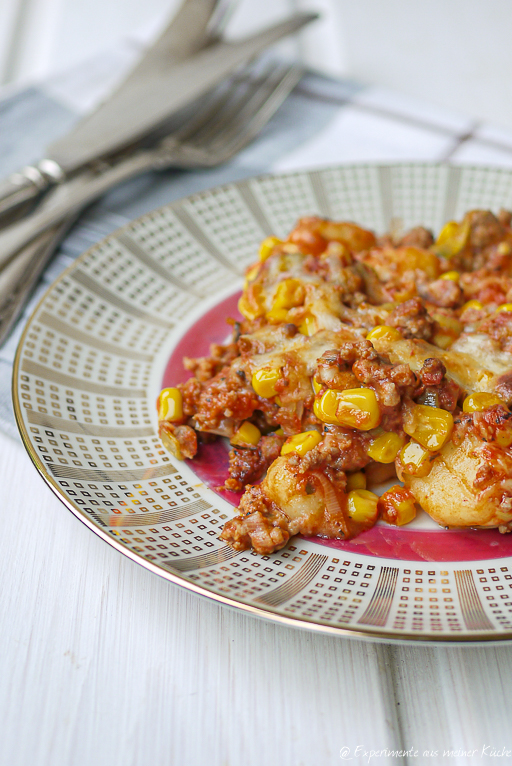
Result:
[{"x": 92, "y": 360}]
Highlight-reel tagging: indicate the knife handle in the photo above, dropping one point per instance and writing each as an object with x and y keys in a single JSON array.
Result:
[
  {"x": 26, "y": 185},
  {"x": 69, "y": 198}
]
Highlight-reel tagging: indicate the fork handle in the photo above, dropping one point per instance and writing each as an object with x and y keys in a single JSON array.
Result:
[
  {"x": 24, "y": 186},
  {"x": 69, "y": 198}
]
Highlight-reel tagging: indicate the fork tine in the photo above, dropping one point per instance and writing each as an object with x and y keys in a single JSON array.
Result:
[
  {"x": 240, "y": 95},
  {"x": 214, "y": 106},
  {"x": 233, "y": 116},
  {"x": 251, "y": 118}
]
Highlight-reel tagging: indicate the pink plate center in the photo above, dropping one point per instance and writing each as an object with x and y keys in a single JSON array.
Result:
[{"x": 211, "y": 464}]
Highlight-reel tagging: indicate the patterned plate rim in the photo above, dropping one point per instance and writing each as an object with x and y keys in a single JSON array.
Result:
[{"x": 369, "y": 634}]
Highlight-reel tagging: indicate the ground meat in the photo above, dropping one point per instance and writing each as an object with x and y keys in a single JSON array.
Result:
[
  {"x": 412, "y": 319},
  {"x": 248, "y": 465},
  {"x": 444, "y": 293},
  {"x": 351, "y": 351},
  {"x": 334, "y": 367},
  {"x": 331, "y": 376},
  {"x": 205, "y": 367},
  {"x": 191, "y": 392},
  {"x": 224, "y": 401},
  {"x": 261, "y": 525},
  {"x": 417, "y": 237},
  {"x": 499, "y": 327},
  {"x": 333, "y": 373},
  {"x": 485, "y": 287},
  {"x": 462, "y": 425},
  {"x": 495, "y": 258},
  {"x": 436, "y": 390},
  {"x": 505, "y": 217},
  {"x": 493, "y": 424},
  {"x": 432, "y": 372},
  {"x": 504, "y": 387},
  {"x": 340, "y": 450},
  {"x": 485, "y": 229},
  {"x": 389, "y": 382},
  {"x": 496, "y": 468}
]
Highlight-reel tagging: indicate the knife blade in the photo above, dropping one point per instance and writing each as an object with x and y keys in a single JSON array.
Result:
[
  {"x": 150, "y": 100},
  {"x": 197, "y": 23}
]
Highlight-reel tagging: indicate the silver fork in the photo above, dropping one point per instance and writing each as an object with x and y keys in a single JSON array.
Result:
[{"x": 231, "y": 118}]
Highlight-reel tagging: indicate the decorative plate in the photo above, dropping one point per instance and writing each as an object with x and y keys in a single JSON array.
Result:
[{"x": 113, "y": 330}]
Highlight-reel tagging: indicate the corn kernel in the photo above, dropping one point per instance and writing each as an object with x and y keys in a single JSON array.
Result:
[
  {"x": 453, "y": 275},
  {"x": 246, "y": 434},
  {"x": 504, "y": 248},
  {"x": 362, "y": 506},
  {"x": 264, "y": 381},
  {"x": 353, "y": 408},
  {"x": 301, "y": 443},
  {"x": 267, "y": 246},
  {"x": 170, "y": 405},
  {"x": 449, "y": 230},
  {"x": 430, "y": 426},
  {"x": 442, "y": 340},
  {"x": 480, "y": 401},
  {"x": 415, "y": 459},
  {"x": 406, "y": 512},
  {"x": 308, "y": 326},
  {"x": 250, "y": 304},
  {"x": 452, "y": 238},
  {"x": 358, "y": 408},
  {"x": 386, "y": 447},
  {"x": 316, "y": 385},
  {"x": 504, "y": 438},
  {"x": 383, "y": 332},
  {"x": 448, "y": 323},
  {"x": 325, "y": 407},
  {"x": 289, "y": 293},
  {"x": 170, "y": 443},
  {"x": 504, "y": 307},
  {"x": 397, "y": 507},
  {"x": 279, "y": 431},
  {"x": 276, "y": 316},
  {"x": 476, "y": 305},
  {"x": 356, "y": 480},
  {"x": 251, "y": 274}
]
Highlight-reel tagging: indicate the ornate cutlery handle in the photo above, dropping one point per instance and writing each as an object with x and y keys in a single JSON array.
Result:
[
  {"x": 68, "y": 198},
  {"x": 28, "y": 184}
]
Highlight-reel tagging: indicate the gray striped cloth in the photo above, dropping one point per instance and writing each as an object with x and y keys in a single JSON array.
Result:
[{"x": 323, "y": 122}]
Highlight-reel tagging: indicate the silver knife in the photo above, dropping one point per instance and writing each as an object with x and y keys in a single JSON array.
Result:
[
  {"x": 197, "y": 23},
  {"x": 139, "y": 107}
]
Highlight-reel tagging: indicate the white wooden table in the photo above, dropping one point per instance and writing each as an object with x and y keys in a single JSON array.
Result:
[{"x": 103, "y": 663}]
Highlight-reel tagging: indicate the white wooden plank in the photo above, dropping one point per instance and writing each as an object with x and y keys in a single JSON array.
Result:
[
  {"x": 454, "y": 700},
  {"x": 102, "y": 662}
]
